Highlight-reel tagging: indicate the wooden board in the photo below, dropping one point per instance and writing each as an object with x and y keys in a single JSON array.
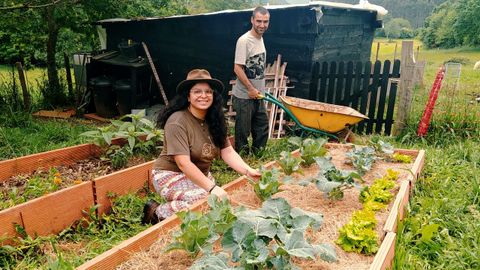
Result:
[
  {"x": 53, "y": 213},
  {"x": 30, "y": 163},
  {"x": 94, "y": 116},
  {"x": 8, "y": 218},
  {"x": 120, "y": 183},
  {"x": 398, "y": 209},
  {"x": 55, "y": 114},
  {"x": 418, "y": 166},
  {"x": 384, "y": 258}
]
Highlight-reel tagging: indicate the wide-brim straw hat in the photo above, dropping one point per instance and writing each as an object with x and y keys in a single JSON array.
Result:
[{"x": 199, "y": 75}]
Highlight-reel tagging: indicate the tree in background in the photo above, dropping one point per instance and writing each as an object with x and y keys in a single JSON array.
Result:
[
  {"x": 439, "y": 30},
  {"x": 398, "y": 28},
  {"x": 468, "y": 22},
  {"x": 453, "y": 24},
  {"x": 415, "y": 11},
  {"x": 202, "y": 6},
  {"x": 35, "y": 30}
]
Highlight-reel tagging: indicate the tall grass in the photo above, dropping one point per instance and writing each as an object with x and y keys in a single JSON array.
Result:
[{"x": 442, "y": 228}]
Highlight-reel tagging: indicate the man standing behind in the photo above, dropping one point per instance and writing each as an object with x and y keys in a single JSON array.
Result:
[{"x": 249, "y": 66}]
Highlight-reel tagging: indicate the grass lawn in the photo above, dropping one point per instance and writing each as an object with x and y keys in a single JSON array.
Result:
[{"x": 21, "y": 134}]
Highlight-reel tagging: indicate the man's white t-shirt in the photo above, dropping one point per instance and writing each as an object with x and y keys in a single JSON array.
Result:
[{"x": 250, "y": 52}]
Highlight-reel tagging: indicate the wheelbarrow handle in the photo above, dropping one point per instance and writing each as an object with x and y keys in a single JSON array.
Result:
[{"x": 270, "y": 98}]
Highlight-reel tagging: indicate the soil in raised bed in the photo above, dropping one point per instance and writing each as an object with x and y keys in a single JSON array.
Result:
[
  {"x": 336, "y": 214},
  {"x": 67, "y": 175}
]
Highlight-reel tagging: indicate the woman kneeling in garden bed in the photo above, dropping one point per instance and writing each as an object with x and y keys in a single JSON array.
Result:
[{"x": 195, "y": 134}]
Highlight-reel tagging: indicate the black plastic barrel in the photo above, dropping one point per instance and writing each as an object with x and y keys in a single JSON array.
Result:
[
  {"x": 123, "y": 90},
  {"x": 103, "y": 97}
]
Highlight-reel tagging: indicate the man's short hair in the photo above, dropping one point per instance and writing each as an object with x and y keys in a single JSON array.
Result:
[{"x": 260, "y": 10}]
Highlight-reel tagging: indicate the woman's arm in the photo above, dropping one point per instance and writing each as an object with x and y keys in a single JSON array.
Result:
[
  {"x": 233, "y": 159},
  {"x": 193, "y": 173}
]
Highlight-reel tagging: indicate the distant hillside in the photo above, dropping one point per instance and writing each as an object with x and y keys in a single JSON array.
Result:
[{"x": 415, "y": 11}]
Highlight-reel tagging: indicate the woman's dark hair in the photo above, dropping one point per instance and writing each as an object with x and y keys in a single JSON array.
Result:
[{"x": 215, "y": 117}]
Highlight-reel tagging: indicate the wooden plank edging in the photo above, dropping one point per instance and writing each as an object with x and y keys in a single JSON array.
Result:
[
  {"x": 54, "y": 212},
  {"x": 384, "y": 257},
  {"x": 398, "y": 207},
  {"x": 30, "y": 163},
  {"x": 48, "y": 214},
  {"x": 56, "y": 157},
  {"x": 418, "y": 166},
  {"x": 120, "y": 182}
]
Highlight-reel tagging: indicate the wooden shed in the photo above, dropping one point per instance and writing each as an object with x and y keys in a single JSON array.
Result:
[{"x": 302, "y": 34}]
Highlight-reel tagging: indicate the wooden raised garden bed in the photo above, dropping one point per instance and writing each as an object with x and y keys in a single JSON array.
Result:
[
  {"x": 306, "y": 197},
  {"x": 54, "y": 212}
]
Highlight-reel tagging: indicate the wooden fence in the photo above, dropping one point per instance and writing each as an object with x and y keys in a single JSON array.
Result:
[{"x": 370, "y": 89}]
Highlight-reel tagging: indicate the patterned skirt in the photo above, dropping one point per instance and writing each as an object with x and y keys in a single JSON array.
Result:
[{"x": 177, "y": 190}]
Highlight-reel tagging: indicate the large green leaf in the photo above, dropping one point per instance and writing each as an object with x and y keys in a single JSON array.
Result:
[
  {"x": 261, "y": 226},
  {"x": 326, "y": 252},
  {"x": 303, "y": 218},
  {"x": 212, "y": 262},
  {"x": 237, "y": 238},
  {"x": 296, "y": 245}
]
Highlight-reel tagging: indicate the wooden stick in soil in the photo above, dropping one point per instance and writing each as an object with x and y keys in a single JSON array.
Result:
[
  {"x": 69, "y": 76},
  {"x": 23, "y": 83}
]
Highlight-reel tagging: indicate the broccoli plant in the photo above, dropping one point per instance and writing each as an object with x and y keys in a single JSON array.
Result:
[
  {"x": 198, "y": 231},
  {"x": 221, "y": 214},
  {"x": 268, "y": 238},
  {"x": 194, "y": 233},
  {"x": 289, "y": 163},
  {"x": 362, "y": 158},
  {"x": 268, "y": 184},
  {"x": 309, "y": 148},
  {"x": 383, "y": 148},
  {"x": 333, "y": 181}
]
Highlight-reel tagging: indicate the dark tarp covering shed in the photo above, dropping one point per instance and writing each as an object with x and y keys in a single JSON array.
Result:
[{"x": 302, "y": 34}]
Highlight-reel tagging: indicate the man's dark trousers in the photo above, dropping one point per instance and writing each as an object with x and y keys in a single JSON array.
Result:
[{"x": 251, "y": 117}]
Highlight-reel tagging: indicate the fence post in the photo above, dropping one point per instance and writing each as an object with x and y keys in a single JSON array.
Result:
[
  {"x": 23, "y": 83},
  {"x": 406, "y": 87},
  {"x": 69, "y": 76}
]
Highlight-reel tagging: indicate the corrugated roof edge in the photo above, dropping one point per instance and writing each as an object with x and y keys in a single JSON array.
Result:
[{"x": 313, "y": 4}]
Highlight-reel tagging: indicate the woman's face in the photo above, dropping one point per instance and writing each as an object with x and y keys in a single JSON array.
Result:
[{"x": 201, "y": 96}]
